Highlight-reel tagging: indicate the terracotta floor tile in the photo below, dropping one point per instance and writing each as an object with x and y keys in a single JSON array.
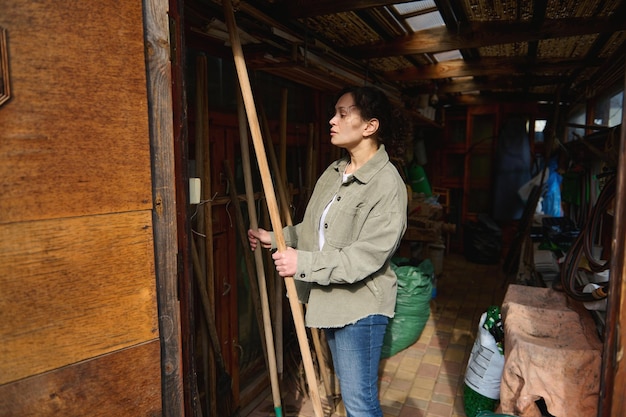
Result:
[
  {"x": 439, "y": 410},
  {"x": 434, "y": 358},
  {"x": 454, "y": 354},
  {"x": 408, "y": 411},
  {"x": 421, "y": 394},
  {"x": 428, "y": 370},
  {"x": 406, "y": 375},
  {"x": 452, "y": 368},
  {"x": 416, "y": 403},
  {"x": 446, "y": 389},
  {"x": 410, "y": 363},
  {"x": 424, "y": 383}
]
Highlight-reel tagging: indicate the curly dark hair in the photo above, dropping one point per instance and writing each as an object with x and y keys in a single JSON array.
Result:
[{"x": 372, "y": 103}]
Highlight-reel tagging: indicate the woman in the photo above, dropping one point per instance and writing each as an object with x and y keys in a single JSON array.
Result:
[{"x": 339, "y": 254}]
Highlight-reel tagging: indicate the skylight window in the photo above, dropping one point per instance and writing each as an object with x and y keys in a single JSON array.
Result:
[
  {"x": 420, "y": 15},
  {"x": 425, "y": 21},
  {"x": 413, "y": 7},
  {"x": 448, "y": 55}
]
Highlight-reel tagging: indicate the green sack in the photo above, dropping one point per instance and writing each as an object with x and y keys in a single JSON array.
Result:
[
  {"x": 412, "y": 307},
  {"x": 475, "y": 403},
  {"x": 492, "y": 414}
]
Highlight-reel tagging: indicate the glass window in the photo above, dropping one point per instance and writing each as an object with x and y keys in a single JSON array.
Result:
[
  {"x": 540, "y": 125},
  {"x": 425, "y": 21},
  {"x": 608, "y": 108},
  {"x": 577, "y": 118}
]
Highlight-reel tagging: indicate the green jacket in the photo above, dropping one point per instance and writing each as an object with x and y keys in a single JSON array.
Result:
[{"x": 350, "y": 278}]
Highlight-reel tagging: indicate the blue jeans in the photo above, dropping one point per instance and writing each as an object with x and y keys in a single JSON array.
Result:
[{"x": 356, "y": 350}]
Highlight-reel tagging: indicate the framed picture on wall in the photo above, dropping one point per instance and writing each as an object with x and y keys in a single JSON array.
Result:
[{"x": 5, "y": 93}]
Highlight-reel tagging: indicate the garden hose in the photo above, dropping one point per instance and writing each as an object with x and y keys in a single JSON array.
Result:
[{"x": 583, "y": 245}]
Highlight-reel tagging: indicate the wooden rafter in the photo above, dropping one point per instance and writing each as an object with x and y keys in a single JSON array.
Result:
[{"x": 481, "y": 34}]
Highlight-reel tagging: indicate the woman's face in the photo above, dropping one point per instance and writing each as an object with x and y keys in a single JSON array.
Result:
[{"x": 346, "y": 126}]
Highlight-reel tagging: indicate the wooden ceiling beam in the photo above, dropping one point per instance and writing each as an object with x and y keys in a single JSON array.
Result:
[
  {"x": 496, "y": 98},
  {"x": 539, "y": 15},
  {"x": 481, "y": 34},
  {"x": 486, "y": 67},
  {"x": 452, "y": 12},
  {"x": 497, "y": 83},
  {"x": 511, "y": 82},
  {"x": 310, "y": 8}
]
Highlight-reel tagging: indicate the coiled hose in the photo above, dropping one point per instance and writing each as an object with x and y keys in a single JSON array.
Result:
[{"x": 583, "y": 246}]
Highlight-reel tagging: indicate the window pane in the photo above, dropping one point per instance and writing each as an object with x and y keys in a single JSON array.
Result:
[
  {"x": 577, "y": 117},
  {"x": 608, "y": 109},
  {"x": 540, "y": 125},
  {"x": 616, "y": 109}
]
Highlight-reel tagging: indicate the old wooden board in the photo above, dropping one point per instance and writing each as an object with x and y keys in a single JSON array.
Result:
[
  {"x": 57, "y": 308},
  {"x": 91, "y": 388},
  {"x": 74, "y": 137}
]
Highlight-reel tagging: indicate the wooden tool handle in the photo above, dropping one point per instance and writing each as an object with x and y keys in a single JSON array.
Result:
[{"x": 272, "y": 205}]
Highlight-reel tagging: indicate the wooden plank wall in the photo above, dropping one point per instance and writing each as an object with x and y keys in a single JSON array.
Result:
[{"x": 79, "y": 333}]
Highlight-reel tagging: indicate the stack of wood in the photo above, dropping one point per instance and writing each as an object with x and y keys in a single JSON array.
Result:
[{"x": 426, "y": 221}]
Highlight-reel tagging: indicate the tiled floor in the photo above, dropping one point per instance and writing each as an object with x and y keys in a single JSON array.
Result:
[{"x": 426, "y": 379}]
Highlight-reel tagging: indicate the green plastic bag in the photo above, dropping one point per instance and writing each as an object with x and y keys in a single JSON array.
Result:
[
  {"x": 475, "y": 403},
  {"x": 492, "y": 414},
  {"x": 412, "y": 307}
]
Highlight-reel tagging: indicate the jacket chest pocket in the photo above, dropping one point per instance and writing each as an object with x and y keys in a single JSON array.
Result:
[{"x": 343, "y": 224}]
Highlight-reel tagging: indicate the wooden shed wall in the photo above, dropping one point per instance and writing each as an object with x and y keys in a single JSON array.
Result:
[{"x": 79, "y": 333}]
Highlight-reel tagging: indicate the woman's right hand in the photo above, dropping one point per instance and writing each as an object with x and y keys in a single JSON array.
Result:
[{"x": 261, "y": 236}]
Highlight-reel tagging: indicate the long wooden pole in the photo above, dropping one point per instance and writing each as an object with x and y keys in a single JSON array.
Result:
[
  {"x": 283, "y": 196},
  {"x": 204, "y": 214},
  {"x": 284, "y": 209},
  {"x": 283, "y": 135},
  {"x": 225, "y": 381},
  {"x": 243, "y": 238},
  {"x": 258, "y": 259},
  {"x": 270, "y": 197}
]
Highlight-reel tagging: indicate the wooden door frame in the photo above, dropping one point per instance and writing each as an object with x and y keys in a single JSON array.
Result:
[
  {"x": 160, "y": 110},
  {"x": 613, "y": 383}
]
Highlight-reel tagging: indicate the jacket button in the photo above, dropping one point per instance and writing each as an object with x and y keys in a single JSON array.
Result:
[
  {"x": 302, "y": 275},
  {"x": 325, "y": 225},
  {"x": 338, "y": 198}
]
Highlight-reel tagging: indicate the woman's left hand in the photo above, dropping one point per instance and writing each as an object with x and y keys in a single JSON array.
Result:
[{"x": 286, "y": 262}]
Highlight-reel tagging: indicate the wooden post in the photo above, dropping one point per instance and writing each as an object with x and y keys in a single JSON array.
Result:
[{"x": 270, "y": 196}]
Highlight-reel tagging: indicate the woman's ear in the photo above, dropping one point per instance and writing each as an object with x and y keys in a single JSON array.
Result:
[{"x": 371, "y": 127}]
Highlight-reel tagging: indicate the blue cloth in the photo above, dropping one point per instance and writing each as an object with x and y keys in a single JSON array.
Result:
[
  {"x": 356, "y": 349},
  {"x": 511, "y": 169},
  {"x": 552, "y": 200}
]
